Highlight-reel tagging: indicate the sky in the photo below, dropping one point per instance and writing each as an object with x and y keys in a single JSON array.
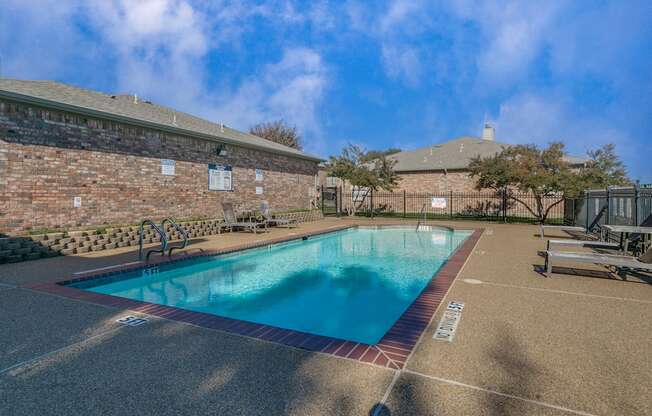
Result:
[{"x": 378, "y": 74}]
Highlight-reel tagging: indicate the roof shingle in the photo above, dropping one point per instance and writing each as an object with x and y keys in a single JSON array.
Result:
[
  {"x": 451, "y": 155},
  {"x": 126, "y": 107}
]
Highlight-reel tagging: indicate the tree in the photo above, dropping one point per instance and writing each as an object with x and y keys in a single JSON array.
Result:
[
  {"x": 364, "y": 174},
  {"x": 542, "y": 173},
  {"x": 278, "y": 132},
  {"x": 372, "y": 155},
  {"x": 605, "y": 168}
]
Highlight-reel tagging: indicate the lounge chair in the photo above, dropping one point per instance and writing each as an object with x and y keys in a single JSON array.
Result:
[
  {"x": 588, "y": 230},
  {"x": 583, "y": 243},
  {"x": 269, "y": 219},
  {"x": 231, "y": 221},
  {"x": 643, "y": 262}
]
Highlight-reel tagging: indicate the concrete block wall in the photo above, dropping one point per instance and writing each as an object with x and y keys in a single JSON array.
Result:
[{"x": 17, "y": 249}]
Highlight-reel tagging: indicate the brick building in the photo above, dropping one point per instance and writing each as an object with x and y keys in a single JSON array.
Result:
[
  {"x": 72, "y": 158},
  {"x": 441, "y": 167},
  {"x": 444, "y": 167}
]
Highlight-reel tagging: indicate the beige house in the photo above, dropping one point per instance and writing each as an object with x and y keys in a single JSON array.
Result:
[{"x": 442, "y": 167}]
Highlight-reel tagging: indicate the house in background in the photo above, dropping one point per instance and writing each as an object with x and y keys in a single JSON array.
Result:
[
  {"x": 444, "y": 167},
  {"x": 441, "y": 167},
  {"x": 72, "y": 157}
]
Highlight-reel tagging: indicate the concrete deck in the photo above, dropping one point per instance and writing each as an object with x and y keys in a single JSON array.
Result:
[{"x": 526, "y": 345}]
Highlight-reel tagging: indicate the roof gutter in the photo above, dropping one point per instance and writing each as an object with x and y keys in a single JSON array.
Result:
[{"x": 148, "y": 124}]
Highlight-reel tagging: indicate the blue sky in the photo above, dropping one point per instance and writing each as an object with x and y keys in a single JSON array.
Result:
[{"x": 381, "y": 74}]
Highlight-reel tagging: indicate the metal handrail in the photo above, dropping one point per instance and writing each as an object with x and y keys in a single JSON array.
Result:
[
  {"x": 423, "y": 211},
  {"x": 181, "y": 230},
  {"x": 160, "y": 231}
]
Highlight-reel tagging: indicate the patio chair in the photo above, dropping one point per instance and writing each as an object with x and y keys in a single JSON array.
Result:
[
  {"x": 588, "y": 230},
  {"x": 643, "y": 262},
  {"x": 231, "y": 221},
  {"x": 279, "y": 222}
]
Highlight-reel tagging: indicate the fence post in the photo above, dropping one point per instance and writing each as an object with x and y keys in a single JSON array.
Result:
[
  {"x": 504, "y": 195},
  {"x": 372, "y": 203},
  {"x": 404, "y": 203},
  {"x": 450, "y": 203},
  {"x": 322, "y": 199},
  {"x": 608, "y": 221},
  {"x": 586, "y": 205},
  {"x": 636, "y": 205}
]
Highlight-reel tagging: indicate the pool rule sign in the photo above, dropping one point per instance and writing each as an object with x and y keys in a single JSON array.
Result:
[
  {"x": 449, "y": 320},
  {"x": 220, "y": 178}
]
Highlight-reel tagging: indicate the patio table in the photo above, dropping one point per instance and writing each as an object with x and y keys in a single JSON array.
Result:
[{"x": 626, "y": 230}]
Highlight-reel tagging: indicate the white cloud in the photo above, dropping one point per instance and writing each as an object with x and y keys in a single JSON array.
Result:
[
  {"x": 398, "y": 14},
  {"x": 394, "y": 28},
  {"x": 402, "y": 62},
  {"x": 513, "y": 31},
  {"x": 36, "y": 38},
  {"x": 541, "y": 118},
  {"x": 291, "y": 89},
  {"x": 159, "y": 50},
  {"x": 158, "y": 44}
]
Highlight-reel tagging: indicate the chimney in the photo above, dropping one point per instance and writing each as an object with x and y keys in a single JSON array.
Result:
[{"x": 488, "y": 133}]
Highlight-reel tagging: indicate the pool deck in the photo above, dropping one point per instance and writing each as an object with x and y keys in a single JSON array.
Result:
[{"x": 526, "y": 344}]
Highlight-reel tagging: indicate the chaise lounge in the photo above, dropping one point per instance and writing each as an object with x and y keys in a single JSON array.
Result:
[
  {"x": 279, "y": 222},
  {"x": 588, "y": 230},
  {"x": 643, "y": 262},
  {"x": 231, "y": 221},
  {"x": 583, "y": 243}
]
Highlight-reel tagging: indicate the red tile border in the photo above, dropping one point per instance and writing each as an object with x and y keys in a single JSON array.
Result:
[{"x": 391, "y": 351}]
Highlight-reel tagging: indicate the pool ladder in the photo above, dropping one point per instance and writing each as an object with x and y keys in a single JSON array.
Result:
[
  {"x": 423, "y": 211},
  {"x": 164, "y": 238}
]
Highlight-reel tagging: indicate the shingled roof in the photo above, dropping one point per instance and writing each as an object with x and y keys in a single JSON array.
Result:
[
  {"x": 130, "y": 109},
  {"x": 452, "y": 155}
]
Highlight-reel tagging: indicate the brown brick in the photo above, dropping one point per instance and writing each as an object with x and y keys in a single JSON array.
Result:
[{"x": 116, "y": 170}]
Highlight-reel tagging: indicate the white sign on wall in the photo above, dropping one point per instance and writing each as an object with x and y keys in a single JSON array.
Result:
[
  {"x": 220, "y": 178},
  {"x": 259, "y": 190},
  {"x": 167, "y": 167},
  {"x": 438, "y": 203},
  {"x": 259, "y": 174},
  {"x": 76, "y": 202}
]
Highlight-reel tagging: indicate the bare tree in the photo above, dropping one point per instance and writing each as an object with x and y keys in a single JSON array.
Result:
[{"x": 278, "y": 132}]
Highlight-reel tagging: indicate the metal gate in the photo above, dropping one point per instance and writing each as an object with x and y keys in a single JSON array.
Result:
[{"x": 329, "y": 201}]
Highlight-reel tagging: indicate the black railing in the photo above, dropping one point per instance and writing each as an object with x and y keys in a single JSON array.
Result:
[{"x": 464, "y": 205}]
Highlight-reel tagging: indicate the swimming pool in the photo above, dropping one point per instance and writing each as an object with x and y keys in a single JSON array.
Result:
[{"x": 351, "y": 284}]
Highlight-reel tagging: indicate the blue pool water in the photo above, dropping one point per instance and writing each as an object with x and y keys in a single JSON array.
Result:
[{"x": 352, "y": 284}]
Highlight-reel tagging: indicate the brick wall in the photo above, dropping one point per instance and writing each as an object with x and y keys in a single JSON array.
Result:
[
  {"x": 49, "y": 157},
  {"x": 432, "y": 182},
  {"x": 435, "y": 182}
]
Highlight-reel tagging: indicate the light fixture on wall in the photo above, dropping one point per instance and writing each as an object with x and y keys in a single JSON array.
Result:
[{"x": 221, "y": 150}]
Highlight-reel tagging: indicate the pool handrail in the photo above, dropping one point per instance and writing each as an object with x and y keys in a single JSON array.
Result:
[
  {"x": 160, "y": 231},
  {"x": 423, "y": 211},
  {"x": 181, "y": 230}
]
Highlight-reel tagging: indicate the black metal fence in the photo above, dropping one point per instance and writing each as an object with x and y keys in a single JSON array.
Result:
[
  {"x": 622, "y": 206},
  {"x": 464, "y": 205}
]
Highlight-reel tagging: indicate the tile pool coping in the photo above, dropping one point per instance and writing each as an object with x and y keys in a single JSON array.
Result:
[{"x": 392, "y": 351}]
